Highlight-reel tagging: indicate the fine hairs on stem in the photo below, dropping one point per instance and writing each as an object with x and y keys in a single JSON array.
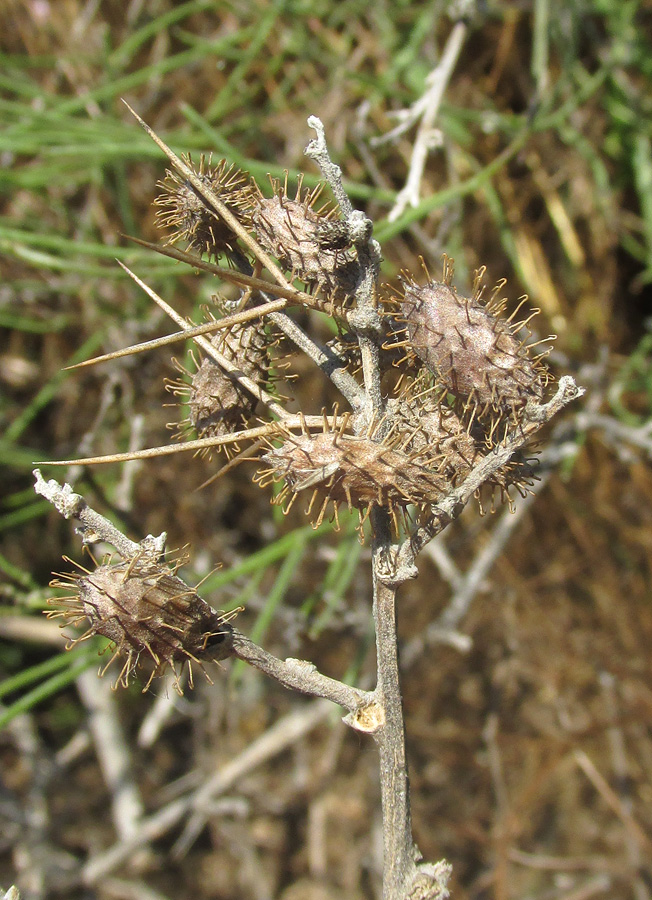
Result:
[{"x": 468, "y": 391}]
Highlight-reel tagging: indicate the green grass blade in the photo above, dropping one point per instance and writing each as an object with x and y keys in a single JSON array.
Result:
[{"x": 44, "y": 691}]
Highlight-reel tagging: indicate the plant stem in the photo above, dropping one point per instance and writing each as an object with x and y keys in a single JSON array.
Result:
[
  {"x": 386, "y": 723},
  {"x": 398, "y": 856},
  {"x": 94, "y": 527},
  {"x": 299, "y": 675},
  {"x": 405, "y": 877}
]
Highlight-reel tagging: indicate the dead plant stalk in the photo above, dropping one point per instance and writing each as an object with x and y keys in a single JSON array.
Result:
[{"x": 408, "y": 458}]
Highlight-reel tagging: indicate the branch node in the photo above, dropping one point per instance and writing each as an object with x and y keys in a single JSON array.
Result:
[
  {"x": 360, "y": 227},
  {"x": 303, "y": 666},
  {"x": 366, "y": 321},
  {"x": 430, "y": 882},
  {"x": 368, "y": 719},
  {"x": 395, "y": 565}
]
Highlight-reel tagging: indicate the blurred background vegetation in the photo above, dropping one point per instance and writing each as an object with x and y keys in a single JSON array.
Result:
[{"x": 529, "y": 726}]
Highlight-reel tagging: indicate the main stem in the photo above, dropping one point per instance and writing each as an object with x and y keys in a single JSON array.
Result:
[{"x": 398, "y": 846}]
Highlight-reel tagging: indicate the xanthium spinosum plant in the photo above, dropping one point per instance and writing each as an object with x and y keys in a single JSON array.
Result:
[{"x": 442, "y": 397}]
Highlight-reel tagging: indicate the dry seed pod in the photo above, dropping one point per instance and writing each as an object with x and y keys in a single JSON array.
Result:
[
  {"x": 431, "y": 432},
  {"x": 470, "y": 347},
  {"x": 309, "y": 243},
  {"x": 189, "y": 215},
  {"x": 434, "y": 435},
  {"x": 334, "y": 467},
  {"x": 147, "y": 612},
  {"x": 218, "y": 405}
]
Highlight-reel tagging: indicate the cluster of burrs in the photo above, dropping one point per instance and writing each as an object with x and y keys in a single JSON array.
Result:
[
  {"x": 467, "y": 370},
  {"x": 436, "y": 382}
]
